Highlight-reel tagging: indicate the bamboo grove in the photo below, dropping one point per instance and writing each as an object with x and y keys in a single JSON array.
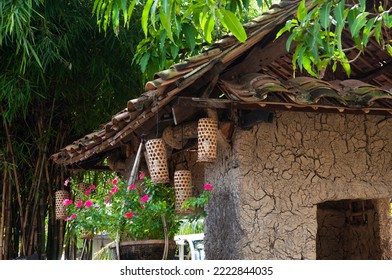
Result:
[
  {"x": 60, "y": 78},
  {"x": 63, "y": 72}
]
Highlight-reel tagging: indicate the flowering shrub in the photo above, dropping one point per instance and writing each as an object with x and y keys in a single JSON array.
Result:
[
  {"x": 133, "y": 212},
  {"x": 199, "y": 202}
]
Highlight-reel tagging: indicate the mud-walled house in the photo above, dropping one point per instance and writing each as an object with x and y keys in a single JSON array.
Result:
[{"x": 303, "y": 166}]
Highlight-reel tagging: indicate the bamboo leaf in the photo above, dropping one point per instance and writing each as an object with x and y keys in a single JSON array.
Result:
[
  {"x": 124, "y": 8},
  {"x": 366, "y": 31},
  {"x": 389, "y": 49},
  {"x": 115, "y": 18},
  {"x": 174, "y": 49},
  {"x": 295, "y": 56},
  {"x": 352, "y": 15},
  {"x": 153, "y": 12},
  {"x": 362, "y": 4},
  {"x": 301, "y": 11},
  {"x": 96, "y": 6},
  {"x": 289, "y": 40},
  {"x": 288, "y": 26},
  {"x": 307, "y": 64},
  {"x": 334, "y": 66},
  {"x": 387, "y": 19},
  {"x": 165, "y": 6},
  {"x": 144, "y": 61},
  {"x": 190, "y": 35},
  {"x": 130, "y": 10},
  {"x": 344, "y": 62},
  {"x": 378, "y": 30},
  {"x": 339, "y": 13},
  {"x": 358, "y": 24},
  {"x": 145, "y": 16},
  {"x": 325, "y": 14},
  {"x": 233, "y": 24},
  {"x": 300, "y": 58},
  {"x": 165, "y": 20},
  {"x": 208, "y": 27}
]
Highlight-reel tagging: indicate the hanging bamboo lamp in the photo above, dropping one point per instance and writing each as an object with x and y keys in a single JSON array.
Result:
[
  {"x": 157, "y": 161},
  {"x": 61, "y": 211},
  {"x": 182, "y": 188},
  {"x": 206, "y": 140}
]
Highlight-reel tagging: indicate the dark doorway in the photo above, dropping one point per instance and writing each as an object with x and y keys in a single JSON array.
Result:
[{"x": 348, "y": 230}]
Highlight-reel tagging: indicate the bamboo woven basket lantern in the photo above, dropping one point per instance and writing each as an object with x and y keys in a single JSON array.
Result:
[
  {"x": 83, "y": 187},
  {"x": 182, "y": 188},
  {"x": 157, "y": 161},
  {"x": 206, "y": 140},
  {"x": 61, "y": 210}
]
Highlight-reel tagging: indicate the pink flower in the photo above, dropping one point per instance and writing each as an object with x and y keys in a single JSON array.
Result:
[
  {"x": 67, "y": 202},
  {"x": 86, "y": 193},
  {"x": 132, "y": 187},
  {"x": 143, "y": 206},
  {"x": 67, "y": 181},
  {"x": 73, "y": 216},
  {"x": 207, "y": 187},
  {"x": 113, "y": 190},
  {"x": 92, "y": 187},
  {"x": 128, "y": 215},
  {"x": 144, "y": 199},
  {"x": 79, "y": 204},
  {"x": 141, "y": 176},
  {"x": 88, "y": 203},
  {"x": 107, "y": 201},
  {"x": 115, "y": 181}
]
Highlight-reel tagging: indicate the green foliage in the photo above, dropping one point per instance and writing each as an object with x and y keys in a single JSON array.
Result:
[
  {"x": 318, "y": 31},
  {"x": 191, "y": 226},
  {"x": 196, "y": 203},
  {"x": 87, "y": 73},
  {"x": 174, "y": 29},
  {"x": 132, "y": 212},
  {"x": 77, "y": 80},
  {"x": 15, "y": 25}
]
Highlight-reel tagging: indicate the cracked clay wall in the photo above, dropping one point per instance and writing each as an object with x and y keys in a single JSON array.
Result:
[{"x": 269, "y": 180}]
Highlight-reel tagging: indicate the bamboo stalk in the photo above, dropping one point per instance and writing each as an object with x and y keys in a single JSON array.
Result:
[
  {"x": 32, "y": 236},
  {"x": 3, "y": 200},
  {"x": 7, "y": 240},
  {"x": 17, "y": 186},
  {"x": 30, "y": 198}
]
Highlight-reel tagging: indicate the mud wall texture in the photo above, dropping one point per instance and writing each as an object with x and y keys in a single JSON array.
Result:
[{"x": 272, "y": 177}]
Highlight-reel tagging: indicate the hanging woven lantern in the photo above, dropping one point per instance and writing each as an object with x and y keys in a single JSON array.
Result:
[
  {"x": 61, "y": 211},
  {"x": 206, "y": 140},
  {"x": 157, "y": 161},
  {"x": 182, "y": 188},
  {"x": 83, "y": 187}
]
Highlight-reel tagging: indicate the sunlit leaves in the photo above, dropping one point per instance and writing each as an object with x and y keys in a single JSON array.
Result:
[
  {"x": 145, "y": 15},
  {"x": 232, "y": 23},
  {"x": 173, "y": 28},
  {"x": 301, "y": 11},
  {"x": 318, "y": 33}
]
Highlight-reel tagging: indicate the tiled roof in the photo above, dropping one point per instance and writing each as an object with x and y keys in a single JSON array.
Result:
[
  {"x": 274, "y": 88},
  {"x": 301, "y": 92}
]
